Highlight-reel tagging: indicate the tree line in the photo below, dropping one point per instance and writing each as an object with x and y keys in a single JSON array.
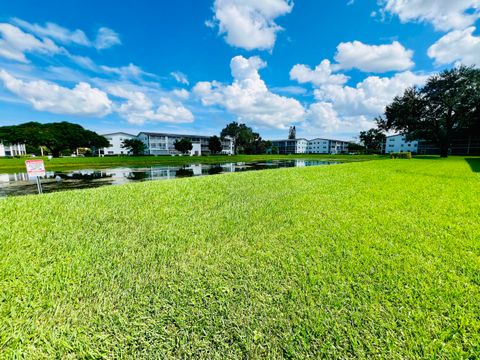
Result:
[
  {"x": 58, "y": 138},
  {"x": 63, "y": 138},
  {"x": 448, "y": 105}
]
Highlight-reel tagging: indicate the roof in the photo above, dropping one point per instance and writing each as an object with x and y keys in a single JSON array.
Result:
[
  {"x": 312, "y": 140},
  {"x": 389, "y": 136},
  {"x": 119, "y": 132},
  {"x": 290, "y": 139},
  {"x": 168, "y": 134}
]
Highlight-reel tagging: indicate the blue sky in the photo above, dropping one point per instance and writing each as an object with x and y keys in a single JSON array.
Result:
[{"x": 328, "y": 67}]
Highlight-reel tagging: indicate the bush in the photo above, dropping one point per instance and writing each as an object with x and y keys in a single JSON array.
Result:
[{"x": 401, "y": 155}]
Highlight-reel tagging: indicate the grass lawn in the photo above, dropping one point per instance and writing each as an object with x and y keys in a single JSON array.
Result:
[
  {"x": 67, "y": 163},
  {"x": 359, "y": 260}
]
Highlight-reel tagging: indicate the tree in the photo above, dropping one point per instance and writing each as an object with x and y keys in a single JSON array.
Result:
[
  {"x": 356, "y": 148},
  {"x": 184, "y": 146},
  {"x": 448, "y": 104},
  {"x": 135, "y": 146},
  {"x": 215, "y": 145},
  {"x": 59, "y": 137},
  {"x": 245, "y": 140},
  {"x": 292, "y": 133},
  {"x": 373, "y": 140}
]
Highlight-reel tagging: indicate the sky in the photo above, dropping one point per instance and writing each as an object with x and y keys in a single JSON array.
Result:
[{"x": 192, "y": 66}]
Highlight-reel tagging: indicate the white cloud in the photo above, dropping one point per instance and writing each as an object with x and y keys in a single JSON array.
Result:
[
  {"x": 458, "y": 46},
  {"x": 323, "y": 116},
  {"x": 443, "y": 14},
  {"x": 373, "y": 58},
  {"x": 249, "y": 98},
  {"x": 249, "y": 24},
  {"x": 322, "y": 74},
  {"x": 82, "y": 100},
  {"x": 105, "y": 37},
  {"x": 370, "y": 96},
  {"x": 54, "y": 31},
  {"x": 139, "y": 108},
  {"x": 180, "y": 77},
  {"x": 181, "y": 94},
  {"x": 14, "y": 44},
  {"x": 130, "y": 71}
]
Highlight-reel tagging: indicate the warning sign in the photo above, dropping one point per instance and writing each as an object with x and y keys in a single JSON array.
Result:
[{"x": 35, "y": 168}]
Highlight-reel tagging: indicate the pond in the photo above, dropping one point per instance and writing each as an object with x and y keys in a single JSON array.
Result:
[{"x": 20, "y": 184}]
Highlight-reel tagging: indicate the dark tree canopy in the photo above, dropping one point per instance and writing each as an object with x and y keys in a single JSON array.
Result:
[
  {"x": 135, "y": 146},
  {"x": 245, "y": 139},
  {"x": 215, "y": 145},
  {"x": 184, "y": 145},
  {"x": 373, "y": 140},
  {"x": 57, "y": 137},
  {"x": 449, "y": 103},
  {"x": 292, "y": 133}
]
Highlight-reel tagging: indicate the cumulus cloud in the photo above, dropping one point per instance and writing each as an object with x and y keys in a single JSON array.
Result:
[
  {"x": 139, "y": 108},
  {"x": 458, "y": 46},
  {"x": 249, "y": 98},
  {"x": 180, "y": 77},
  {"x": 370, "y": 96},
  {"x": 322, "y": 74},
  {"x": 82, "y": 100},
  {"x": 249, "y": 24},
  {"x": 14, "y": 44},
  {"x": 323, "y": 116},
  {"x": 373, "y": 58},
  {"x": 181, "y": 94},
  {"x": 354, "y": 107},
  {"x": 445, "y": 15},
  {"x": 105, "y": 37}
]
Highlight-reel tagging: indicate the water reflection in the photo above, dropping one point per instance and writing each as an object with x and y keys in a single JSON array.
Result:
[{"x": 20, "y": 184}]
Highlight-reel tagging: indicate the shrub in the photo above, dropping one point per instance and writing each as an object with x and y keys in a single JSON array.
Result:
[{"x": 400, "y": 155}]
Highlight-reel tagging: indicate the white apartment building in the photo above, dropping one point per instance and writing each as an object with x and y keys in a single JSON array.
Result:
[
  {"x": 116, "y": 139},
  {"x": 318, "y": 146},
  {"x": 12, "y": 149},
  {"x": 164, "y": 144},
  {"x": 398, "y": 143},
  {"x": 291, "y": 146},
  {"x": 327, "y": 146}
]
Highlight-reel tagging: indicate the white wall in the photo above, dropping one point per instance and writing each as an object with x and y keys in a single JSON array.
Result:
[
  {"x": 116, "y": 140},
  {"x": 301, "y": 146},
  {"x": 397, "y": 143},
  {"x": 12, "y": 150},
  {"x": 318, "y": 146}
]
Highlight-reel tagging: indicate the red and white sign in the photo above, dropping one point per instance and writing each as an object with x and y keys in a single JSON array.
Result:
[{"x": 35, "y": 168}]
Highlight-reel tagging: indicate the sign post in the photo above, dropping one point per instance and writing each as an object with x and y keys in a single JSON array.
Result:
[{"x": 36, "y": 168}]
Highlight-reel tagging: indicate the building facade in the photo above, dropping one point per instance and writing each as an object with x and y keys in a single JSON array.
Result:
[
  {"x": 291, "y": 146},
  {"x": 398, "y": 143},
  {"x": 12, "y": 149},
  {"x": 116, "y": 140},
  {"x": 164, "y": 144},
  {"x": 318, "y": 146}
]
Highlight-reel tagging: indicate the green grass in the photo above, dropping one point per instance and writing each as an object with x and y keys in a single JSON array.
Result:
[
  {"x": 360, "y": 260},
  {"x": 68, "y": 163}
]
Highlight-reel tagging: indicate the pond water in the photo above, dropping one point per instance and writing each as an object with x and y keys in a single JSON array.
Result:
[{"x": 20, "y": 184}]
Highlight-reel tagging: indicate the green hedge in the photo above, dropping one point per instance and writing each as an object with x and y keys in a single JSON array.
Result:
[{"x": 400, "y": 155}]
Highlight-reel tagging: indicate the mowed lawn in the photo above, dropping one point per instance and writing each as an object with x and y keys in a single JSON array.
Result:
[
  {"x": 10, "y": 165},
  {"x": 372, "y": 259}
]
